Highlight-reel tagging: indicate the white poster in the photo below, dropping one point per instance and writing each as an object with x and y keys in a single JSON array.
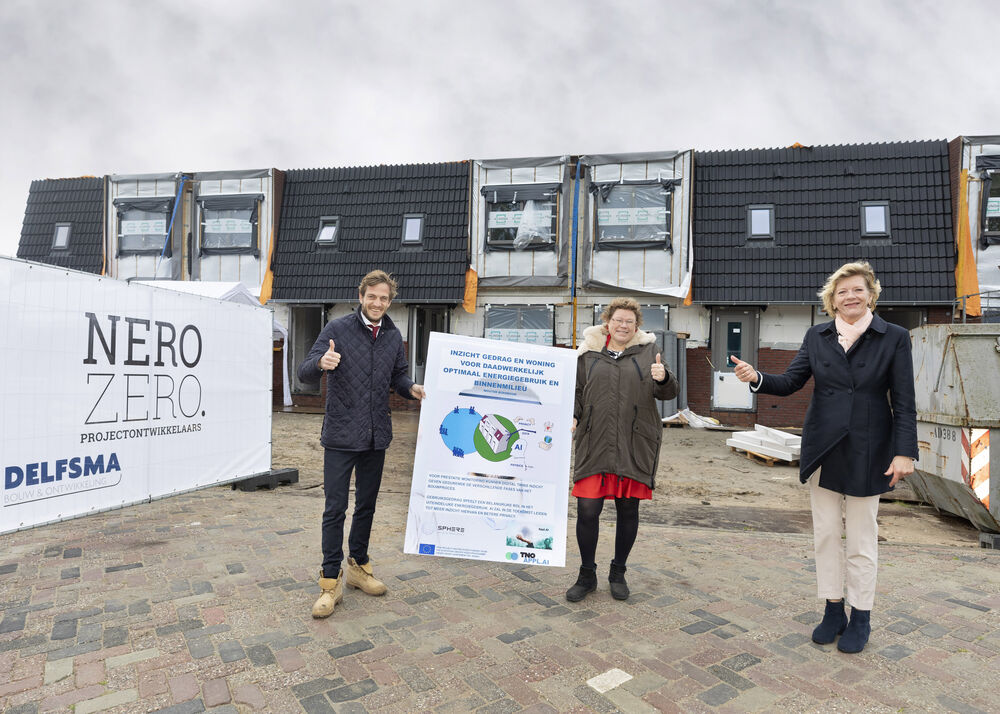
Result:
[
  {"x": 116, "y": 393},
  {"x": 491, "y": 470}
]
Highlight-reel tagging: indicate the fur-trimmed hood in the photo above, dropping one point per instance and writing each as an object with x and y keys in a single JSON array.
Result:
[{"x": 595, "y": 337}]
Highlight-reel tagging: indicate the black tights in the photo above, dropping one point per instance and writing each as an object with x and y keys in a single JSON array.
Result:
[{"x": 588, "y": 516}]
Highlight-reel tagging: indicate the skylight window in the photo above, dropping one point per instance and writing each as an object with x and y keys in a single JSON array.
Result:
[
  {"x": 760, "y": 222},
  {"x": 328, "y": 229},
  {"x": 413, "y": 228},
  {"x": 60, "y": 238}
]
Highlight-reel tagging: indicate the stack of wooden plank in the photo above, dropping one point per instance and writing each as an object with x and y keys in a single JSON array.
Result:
[{"x": 767, "y": 444}]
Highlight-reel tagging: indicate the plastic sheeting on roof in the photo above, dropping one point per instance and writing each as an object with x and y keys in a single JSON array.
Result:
[
  {"x": 628, "y": 158},
  {"x": 146, "y": 177},
  {"x": 223, "y": 175},
  {"x": 522, "y": 163}
]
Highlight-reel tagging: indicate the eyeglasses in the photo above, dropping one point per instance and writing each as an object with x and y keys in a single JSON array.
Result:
[{"x": 623, "y": 323}]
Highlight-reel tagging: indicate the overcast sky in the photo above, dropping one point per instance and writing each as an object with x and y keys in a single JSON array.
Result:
[{"x": 94, "y": 87}]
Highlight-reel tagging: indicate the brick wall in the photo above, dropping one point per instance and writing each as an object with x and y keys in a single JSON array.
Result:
[
  {"x": 939, "y": 315},
  {"x": 771, "y": 411},
  {"x": 781, "y": 411}
]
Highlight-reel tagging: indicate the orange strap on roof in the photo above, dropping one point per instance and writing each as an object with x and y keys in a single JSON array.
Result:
[
  {"x": 471, "y": 290},
  {"x": 966, "y": 279}
]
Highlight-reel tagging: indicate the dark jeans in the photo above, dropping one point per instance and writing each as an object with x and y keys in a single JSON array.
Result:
[{"x": 337, "y": 468}]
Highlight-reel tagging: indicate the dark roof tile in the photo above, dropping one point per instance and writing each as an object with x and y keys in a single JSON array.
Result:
[
  {"x": 371, "y": 202},
  {"x": 817, "y": 203},
  {"x": 77, "y": 201}
]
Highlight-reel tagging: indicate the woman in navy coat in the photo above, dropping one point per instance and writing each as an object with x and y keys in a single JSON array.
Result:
[{"x": 859, "y": 439}]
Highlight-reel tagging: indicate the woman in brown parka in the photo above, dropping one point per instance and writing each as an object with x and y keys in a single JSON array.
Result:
[{"x": 617, "y": 431}]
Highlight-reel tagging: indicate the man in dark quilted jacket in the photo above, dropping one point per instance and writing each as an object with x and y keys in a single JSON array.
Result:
[{"x": 362, "y": 356}]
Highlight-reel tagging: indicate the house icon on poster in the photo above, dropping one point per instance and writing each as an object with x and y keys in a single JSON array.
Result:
[{"x": 495, "y": 433}]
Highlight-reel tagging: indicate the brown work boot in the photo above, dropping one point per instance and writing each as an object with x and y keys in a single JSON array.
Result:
[
  {"x": 333, "y": 592},
  {"x": 360, "y": 576}
]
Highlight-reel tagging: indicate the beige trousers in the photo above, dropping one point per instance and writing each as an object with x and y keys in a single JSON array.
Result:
[{"x": 859, "y": 561}]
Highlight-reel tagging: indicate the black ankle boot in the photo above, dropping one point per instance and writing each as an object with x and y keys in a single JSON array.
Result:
[
  {"x": 585, "y": 583},
  {"x": 616, "y": 576},
  {"x": 833, "y": 624},
  {"x": 855, "y": 637}
]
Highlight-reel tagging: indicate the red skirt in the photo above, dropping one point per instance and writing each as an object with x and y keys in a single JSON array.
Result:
[{"x": 610, "y": 486}]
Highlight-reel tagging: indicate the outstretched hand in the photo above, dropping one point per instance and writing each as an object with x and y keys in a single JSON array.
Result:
[
  {"x": 330, "y": 358},
  {"x": 657, "y": 371},
  {"x": 744, "y": 371},
  {"x": 900, "y": 468},
  {"x": 417, "y": 390}
]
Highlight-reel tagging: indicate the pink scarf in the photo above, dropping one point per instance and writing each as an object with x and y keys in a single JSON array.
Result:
[{"x": 848, "y": 334}]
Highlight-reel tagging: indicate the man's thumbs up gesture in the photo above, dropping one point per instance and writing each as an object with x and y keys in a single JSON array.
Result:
[
  {"x": 657, "y": 371},
  {"x": 744, "y": 372},
  {"x": 330, "y": 358}
]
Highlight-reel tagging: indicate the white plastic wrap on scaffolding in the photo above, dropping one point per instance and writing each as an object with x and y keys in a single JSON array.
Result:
[
  {"x": 233, "y": 292},
  {"x": 233, "y": 212},
  {"x": 519, "y": 222},
  {"x": 983, "y": 161},
  {"x": 139, "y": 212},
  {"x": 637, "y": 230}
]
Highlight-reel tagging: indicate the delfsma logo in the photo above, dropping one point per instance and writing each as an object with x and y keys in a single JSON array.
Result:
[
  {"x": 511, "y": 556},
  {"x": 426, "y": 549}
]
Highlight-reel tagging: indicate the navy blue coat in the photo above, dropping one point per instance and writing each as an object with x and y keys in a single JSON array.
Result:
[
  {"x": 862, "y": 411},
  {"x": 357, "y": 391}
]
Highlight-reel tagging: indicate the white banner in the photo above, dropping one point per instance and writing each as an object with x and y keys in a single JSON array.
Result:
[
  {"x": 632, "y": 216},
  {"x": 228, "y": 225},
  {"x": 491, "y": 470},
  {"x": 117, "y": 393},
  {"x": 156, "y": 227},
  {"x": 531, "y": 337}
]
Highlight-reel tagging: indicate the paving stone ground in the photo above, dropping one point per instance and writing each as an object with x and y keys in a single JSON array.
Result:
[{"x": 201, "y": 602}]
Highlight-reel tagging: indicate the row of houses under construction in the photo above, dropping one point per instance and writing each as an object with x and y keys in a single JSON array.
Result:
[{"x": 725, "y": 250}]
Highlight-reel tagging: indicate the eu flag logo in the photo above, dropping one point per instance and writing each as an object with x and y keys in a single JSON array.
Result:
[{"x": 426, "y": 549}]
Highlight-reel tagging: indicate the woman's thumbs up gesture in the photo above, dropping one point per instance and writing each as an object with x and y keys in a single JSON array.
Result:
[{"x": 657, "y": 371}]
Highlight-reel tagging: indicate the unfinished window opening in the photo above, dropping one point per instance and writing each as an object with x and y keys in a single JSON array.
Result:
[
  {"x": 632, "y": 215},
  {"x": 60, "y": 237},
  {"x": 532, "y": 324},
  {"x": 990, "y": 232},
  {"x": 142, "y": 225},
  {"x": 229, "y": 224},
  {"x": 875, "y": 220},
  {"x": 329, "y": 227},
  {"x": 521, "y": 216},
  {"x": 413, "y": 228}
]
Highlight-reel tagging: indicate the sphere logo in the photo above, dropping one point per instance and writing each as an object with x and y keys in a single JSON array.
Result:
[{"x": 512, "y": 556}]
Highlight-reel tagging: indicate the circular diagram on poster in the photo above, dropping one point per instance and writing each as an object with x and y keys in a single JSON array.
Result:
[
  {"x": 494, "y": 437},
  {"x": 457, "y": 430}
]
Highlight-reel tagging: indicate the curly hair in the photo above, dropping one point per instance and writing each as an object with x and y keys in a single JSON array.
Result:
[
  {"x": 849, "y": 270},
  {"x": 622, "y": 303},
  {"x": 374, "y": 278}
]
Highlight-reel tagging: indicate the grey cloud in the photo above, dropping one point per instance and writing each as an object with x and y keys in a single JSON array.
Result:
[{"x": 119, "y": 86}]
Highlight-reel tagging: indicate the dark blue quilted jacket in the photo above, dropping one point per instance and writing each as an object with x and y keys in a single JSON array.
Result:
[{"x": 357, "y": 392}]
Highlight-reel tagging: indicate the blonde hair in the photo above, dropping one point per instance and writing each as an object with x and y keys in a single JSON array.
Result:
[
  {"x": 622, "y": 303},
  {"x": 374, "y": 278},
  {"x": 849, "y": 270}
]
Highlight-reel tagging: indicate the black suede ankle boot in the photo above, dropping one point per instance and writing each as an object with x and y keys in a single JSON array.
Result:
[
  {"x": 855, "y": 637},
  {"x": 834, "y": 623},
  {"x": 616, "y": 576},
  {"x": 585, "y": 583}
]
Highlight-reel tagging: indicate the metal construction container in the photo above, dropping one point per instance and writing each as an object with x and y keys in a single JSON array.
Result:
[{"x": 957, "y": 373}]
